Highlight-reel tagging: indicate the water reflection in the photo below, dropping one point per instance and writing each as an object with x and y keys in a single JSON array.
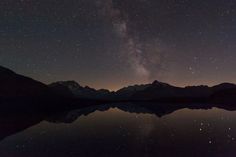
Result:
[{"x": 121, "y": 130}]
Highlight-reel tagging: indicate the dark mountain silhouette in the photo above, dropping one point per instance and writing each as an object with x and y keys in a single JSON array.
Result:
[
  {"x": 61, "y": 90},
  {"x": 73, "y": 89},
  {"x": 14, "y": 86},
  {"x": 224, "y": 96},
  {"x": 223, "y": 86},
  {"x": 127, "y": 92},
  {"x": 163, "y": 91},
  {"x": 156, "y": 91}
]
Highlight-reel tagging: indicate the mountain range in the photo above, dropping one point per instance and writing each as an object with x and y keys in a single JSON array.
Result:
[{"x": 15, "y": 86}]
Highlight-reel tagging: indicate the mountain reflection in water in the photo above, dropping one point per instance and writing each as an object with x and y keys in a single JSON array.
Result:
[{"x": 140, "y": 129}]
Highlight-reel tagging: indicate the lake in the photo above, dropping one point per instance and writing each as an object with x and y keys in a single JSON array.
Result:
[{"x": 121, "y": 130}]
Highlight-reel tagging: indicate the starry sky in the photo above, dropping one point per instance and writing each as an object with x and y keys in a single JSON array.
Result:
[{"x": 115, "y": 43}]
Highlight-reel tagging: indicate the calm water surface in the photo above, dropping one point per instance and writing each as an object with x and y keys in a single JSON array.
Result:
[{"x": 116, "y": 132}]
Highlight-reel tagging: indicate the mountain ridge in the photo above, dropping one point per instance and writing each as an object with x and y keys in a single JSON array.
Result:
[
  {"x": 13, "y": 85},
  {"x": 159, "y": 91}
]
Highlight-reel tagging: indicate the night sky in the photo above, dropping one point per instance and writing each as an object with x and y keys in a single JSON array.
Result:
[{"x": 114, "y": 43}]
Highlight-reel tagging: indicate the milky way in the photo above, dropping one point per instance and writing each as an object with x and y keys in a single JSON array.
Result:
[{"x": 141, "y": 56}]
